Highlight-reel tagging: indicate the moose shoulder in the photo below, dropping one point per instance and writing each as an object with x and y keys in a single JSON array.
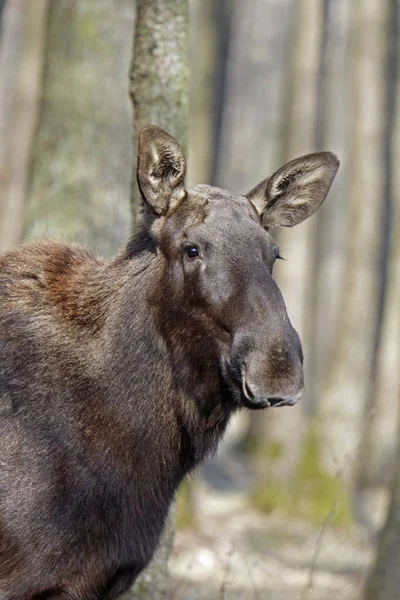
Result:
[{"x": 117, "y": 378}]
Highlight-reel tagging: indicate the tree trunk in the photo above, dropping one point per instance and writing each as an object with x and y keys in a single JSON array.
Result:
[
  {"x": 333, "y": 122},
  {"x": 384, "y": 582},
  {"x": 295, "y": 276},
  {"x": 379, "y": 439},
  {"x": 22, "y": 41},
  {"x": 345, "y": 391},
  {"x": 159, "y": 84},
  {"x": 253, "y": 125},
  {"x": 82, "y": 156},
  {"x": 204, "y": 60}
]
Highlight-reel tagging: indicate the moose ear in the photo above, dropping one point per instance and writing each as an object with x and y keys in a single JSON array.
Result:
[
  {"x": 161, "y": 169},
  {"x": 296, "y": 190}
]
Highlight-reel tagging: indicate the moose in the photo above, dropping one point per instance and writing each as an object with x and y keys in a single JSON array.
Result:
[{"x": 117, "y": 378}]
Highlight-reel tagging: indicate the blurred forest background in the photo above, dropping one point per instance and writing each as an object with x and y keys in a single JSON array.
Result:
[{"x": 298, "y": 502}]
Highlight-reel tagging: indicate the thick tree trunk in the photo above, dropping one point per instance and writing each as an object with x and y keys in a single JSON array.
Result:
[
  {"x": 82, "y": 157},
  {"x": 23, "y": 32},
  {"x": 159, "y": 82}
]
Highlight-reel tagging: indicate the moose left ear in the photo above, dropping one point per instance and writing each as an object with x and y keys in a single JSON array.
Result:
[
  {"x": 296, "y": 190},
  {"x": 161, "y": 170}
]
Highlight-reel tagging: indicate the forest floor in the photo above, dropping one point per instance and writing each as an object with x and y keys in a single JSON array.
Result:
[{"x": 238, "y": 554}]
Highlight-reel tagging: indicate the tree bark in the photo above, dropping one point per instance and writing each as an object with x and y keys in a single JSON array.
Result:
[
  {"x": 295, "y": 276},
  {"x": 204, "y": 60},
  {"x": 384, "y": 581},
  {"x": 159, "y": 82},
  {"x": 253, "y": 125},
  {"x": 22, "y": 44},
  {"x": 82, "y": 156},
  {"x": 333, "y": 124},
  {"x": 380, "y": 434}
]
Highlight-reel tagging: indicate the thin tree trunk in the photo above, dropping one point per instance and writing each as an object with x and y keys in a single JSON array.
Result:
[
  {"x": 384, "y": 581},
  {"x": 295, "y": 276},
  {"x": 159, "y": 82},
  {"x": 345, "y": 392},
  {"x": 2, "y": 5},
  {"x": 204, "y": 60},
  {"x": 333, "y": 121},
  {"x": 379, "y": 440},
  {"x": 253, "y": 127},
  {"x": 253, "y": 124}
]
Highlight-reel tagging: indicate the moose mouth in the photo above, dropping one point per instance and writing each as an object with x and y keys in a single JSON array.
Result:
[{"x": 234, "y": 376}]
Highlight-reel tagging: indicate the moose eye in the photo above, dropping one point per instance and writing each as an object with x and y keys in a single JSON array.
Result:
[{"x": 192, "y": 252}]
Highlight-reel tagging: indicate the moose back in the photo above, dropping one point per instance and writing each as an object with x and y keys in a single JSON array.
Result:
[{"x": 117, "y": 378}]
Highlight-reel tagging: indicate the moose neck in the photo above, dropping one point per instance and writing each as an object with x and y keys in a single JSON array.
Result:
[{"x": 166, "y": 358}]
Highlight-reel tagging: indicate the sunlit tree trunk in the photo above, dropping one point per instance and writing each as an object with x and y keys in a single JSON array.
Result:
[
  {"x": 333, "y": 121},
  {"x": 384, "y": 581},
  {"x": 379, "y": 439},
  {"x": 22, "y": 42},
  {"x": 295, "y": 276},
  {"x": 345, "y": 391},
  {"x": 253, "y": 124},
  {"x": 82, "y": 156},
  {"x": 203, "y": 59},
  {"x": 159, "y": 87}
]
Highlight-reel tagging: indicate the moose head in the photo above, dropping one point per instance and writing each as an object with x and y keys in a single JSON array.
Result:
[{"x": 218, "y": 257}]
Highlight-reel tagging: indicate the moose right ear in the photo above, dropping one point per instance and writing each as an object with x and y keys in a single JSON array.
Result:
[
  {"x": 295, "y": 191},
  {"x": 161, "y": 169}
]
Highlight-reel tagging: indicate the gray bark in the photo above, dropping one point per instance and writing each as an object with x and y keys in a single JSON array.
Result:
[
  {"x": 295, "y": 276},
  {"x": 379, "y": 439},
  {"x": 345, "y": 391},
  {"x": 333, "y": 121},
  {"x": 253, "y": 125},
  {"x": 159, "y": 81},
  {"x": 82, "y": 155},
  {"x": 204, "y": 60},
  {"x": 22, "y": 42},
  {"x": 384, "y": 580}
]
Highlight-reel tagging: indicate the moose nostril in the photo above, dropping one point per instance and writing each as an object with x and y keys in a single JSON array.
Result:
[
  {"x": 287, "y": 401},
  {"x": 276, "y": 400},
  {"x": 247, "y": 390}
]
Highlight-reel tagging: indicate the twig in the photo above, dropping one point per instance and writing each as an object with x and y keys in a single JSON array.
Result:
[
  {"x": 226, "y": 574},
  {"x": 317, "y": 550}
]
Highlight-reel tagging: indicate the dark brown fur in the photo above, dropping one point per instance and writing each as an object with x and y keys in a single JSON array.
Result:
[{"x": 117, "y": 378}]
